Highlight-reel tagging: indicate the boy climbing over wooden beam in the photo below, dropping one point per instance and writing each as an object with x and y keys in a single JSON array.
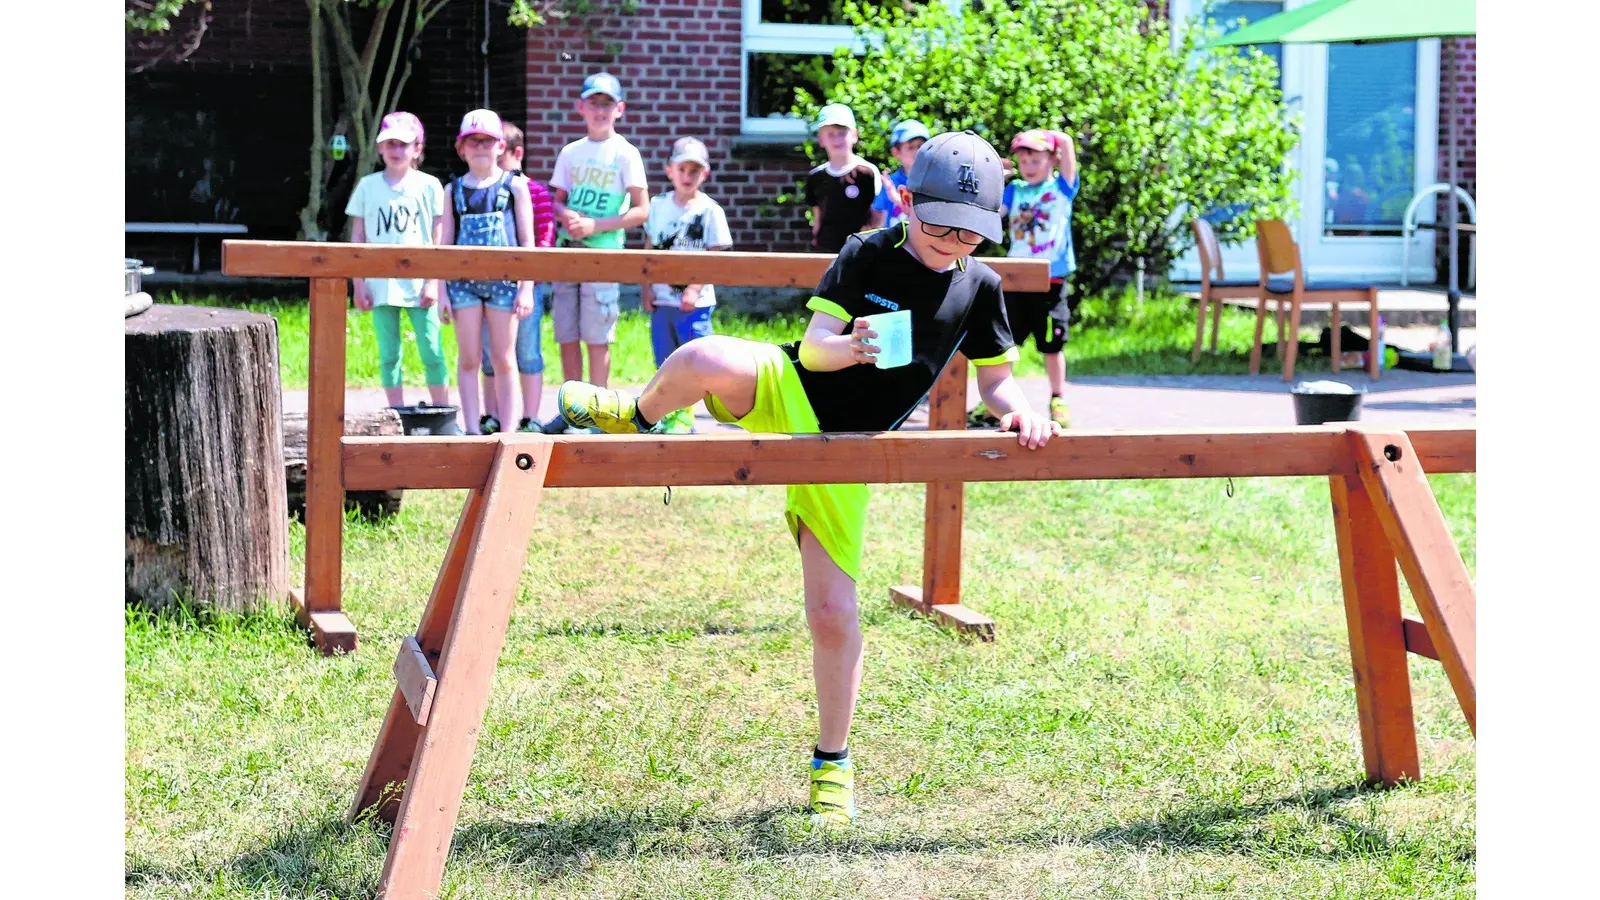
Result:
[{"x": 832, "y": 380}]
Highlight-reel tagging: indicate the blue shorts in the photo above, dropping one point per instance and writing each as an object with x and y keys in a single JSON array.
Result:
[
  {"x": 493, "y": 294},
  {"x": 530, "y": 355},
  {"x": 671, "y": 328}
]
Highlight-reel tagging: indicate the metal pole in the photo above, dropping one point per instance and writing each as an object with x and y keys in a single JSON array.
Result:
[{"x": 1454, "y": 295}]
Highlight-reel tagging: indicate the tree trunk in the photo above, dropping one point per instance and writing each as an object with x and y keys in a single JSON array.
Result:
[
  {"x": 370, "y": 504},
  {"x": 204, "y": 497}
]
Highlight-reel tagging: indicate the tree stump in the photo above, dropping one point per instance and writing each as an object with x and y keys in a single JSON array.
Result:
[
  {"x": 205, "y": 512},
  {"x": 369, "y": 504}
]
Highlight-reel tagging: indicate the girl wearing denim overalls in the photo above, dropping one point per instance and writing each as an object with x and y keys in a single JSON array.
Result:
[{"x": 487, "y": 207}]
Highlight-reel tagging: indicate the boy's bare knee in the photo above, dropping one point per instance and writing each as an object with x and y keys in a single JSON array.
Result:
[{"x": 832, "y": 611}]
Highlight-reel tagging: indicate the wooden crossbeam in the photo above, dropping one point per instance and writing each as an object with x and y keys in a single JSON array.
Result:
[
  {"x": 387, "y": 463},
  {"x": 1417, "y": 640},
  {"x": 303, "y": 259}
]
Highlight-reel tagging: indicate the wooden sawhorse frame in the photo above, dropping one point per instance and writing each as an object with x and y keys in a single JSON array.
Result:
[
  {"x": 1383, "y": 509},
  {"x": 330, "y": 265}
]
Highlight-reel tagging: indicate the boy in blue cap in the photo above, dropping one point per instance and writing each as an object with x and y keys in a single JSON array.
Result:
[
  {"x": 828, "y": 382},
  {"x": 599, "y": 190},
  {"x": 904, "y": 142}
]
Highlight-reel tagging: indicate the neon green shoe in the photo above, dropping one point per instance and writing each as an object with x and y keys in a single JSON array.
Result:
[
  {"x": 833, "y": 793},
  {"x": 583, "y": 405},
  {"x": 1058, "y": 411},
  {"x": 678, "y": 422}
]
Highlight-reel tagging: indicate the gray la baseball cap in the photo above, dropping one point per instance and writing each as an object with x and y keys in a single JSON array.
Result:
[{"x": 957, "y": 181}]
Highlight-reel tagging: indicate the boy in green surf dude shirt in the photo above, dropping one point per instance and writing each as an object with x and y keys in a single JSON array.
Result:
[{"x": 599, "y": 190}]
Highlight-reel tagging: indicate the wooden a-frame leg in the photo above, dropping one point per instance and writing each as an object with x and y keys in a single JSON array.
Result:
[
  {"x": 1377, "y": 635},
  {"x": 383, "y": 782},
  {"x": 443, "y": 748},
  {"x": 1428, "y": 556},
  {"x": 1200, "y": 326}
]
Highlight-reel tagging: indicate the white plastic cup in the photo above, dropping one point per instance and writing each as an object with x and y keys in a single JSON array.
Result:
[{"x": 893, "y": 340}]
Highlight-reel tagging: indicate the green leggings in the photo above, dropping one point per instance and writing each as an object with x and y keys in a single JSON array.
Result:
[{"x": 425, "y": 324}]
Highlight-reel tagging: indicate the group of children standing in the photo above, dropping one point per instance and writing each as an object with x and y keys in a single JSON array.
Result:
[{"x": 596, "y": 192}]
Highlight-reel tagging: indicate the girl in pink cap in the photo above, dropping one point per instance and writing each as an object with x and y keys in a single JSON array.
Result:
[
  {"x": 401, "y": 205},
  {"x": 487, "y": 207}
]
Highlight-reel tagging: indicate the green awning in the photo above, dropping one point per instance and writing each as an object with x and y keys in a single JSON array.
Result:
[{"x": 1338, "y": 21}]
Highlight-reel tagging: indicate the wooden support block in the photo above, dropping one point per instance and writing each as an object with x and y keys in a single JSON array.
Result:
[
  {"x": 1377, "y": 638},
  {"x": 415, "y": 679},
  {"x": 331, "y": 631},
  {"x": 1417, "y": 640},
  {"x": 951, "y": 615},
  {"x": 1427, "y": 553}
]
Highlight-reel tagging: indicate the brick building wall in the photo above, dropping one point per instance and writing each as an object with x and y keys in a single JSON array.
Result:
[
  {"x": 448, "y": 77},
  {"x": 679, "y": 63},
  {"x": 1466, "y": 91}
]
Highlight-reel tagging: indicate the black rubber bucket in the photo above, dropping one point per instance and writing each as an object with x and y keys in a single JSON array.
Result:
[
  {"x": 425, "y": 420},
  {"x": 1317, "y": 407}
]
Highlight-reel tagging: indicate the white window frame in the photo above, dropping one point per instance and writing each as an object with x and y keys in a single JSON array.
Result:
[{"x": 781, "y": 37}]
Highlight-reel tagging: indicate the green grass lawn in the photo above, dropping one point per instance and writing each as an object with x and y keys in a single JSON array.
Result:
[
  {"x": 1115, "y": 335},
  {"x": 1167, "y": 712}
]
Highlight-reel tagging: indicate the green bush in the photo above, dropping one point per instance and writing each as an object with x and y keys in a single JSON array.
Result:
[{"x": 1162, "y": 134}]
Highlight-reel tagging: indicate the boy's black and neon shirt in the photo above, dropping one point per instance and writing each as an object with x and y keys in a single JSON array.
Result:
[{"x": 959, "y": 309}]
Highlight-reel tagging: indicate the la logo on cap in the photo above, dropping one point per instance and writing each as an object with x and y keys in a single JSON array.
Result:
[{"x": 967, "y": 180}]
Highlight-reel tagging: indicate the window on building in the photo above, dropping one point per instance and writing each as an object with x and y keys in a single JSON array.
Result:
[
  {"x": 790, "y": 44},
  {"x": 1371, "y": 156},
  {"x": 1228, "y": 16}
]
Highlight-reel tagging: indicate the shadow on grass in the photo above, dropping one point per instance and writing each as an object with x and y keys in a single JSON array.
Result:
[
  {"x": 1232, "y": 828},
  {"x": 327, "y": 857},
  {"x": 316, "y": 859}
]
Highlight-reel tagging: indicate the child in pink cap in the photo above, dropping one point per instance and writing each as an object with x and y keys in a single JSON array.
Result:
[
  {"x": 401, "y": 205},
  {"x": 487, "y": 207}
]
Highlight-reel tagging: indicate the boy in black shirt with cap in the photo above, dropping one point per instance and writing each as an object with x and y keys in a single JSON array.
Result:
[{"x": 828, "y": 382}]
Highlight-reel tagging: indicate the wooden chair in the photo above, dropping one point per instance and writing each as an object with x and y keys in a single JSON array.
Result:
[
  {"x": 1214, "y": 288},
  {"x": 1280, "y": 258}
]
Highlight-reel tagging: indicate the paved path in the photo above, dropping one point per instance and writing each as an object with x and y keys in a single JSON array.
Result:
[{"x": 1400, "y": 397}]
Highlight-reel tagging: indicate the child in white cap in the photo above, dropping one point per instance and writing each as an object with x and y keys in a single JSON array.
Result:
[
  {"x": 842, "y": 190},
  {"x": 683, "y": 218}
]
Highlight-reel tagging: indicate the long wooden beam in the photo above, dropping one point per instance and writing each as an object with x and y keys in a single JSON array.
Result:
[
  {"x": 305, "y": 259},
  {"x": 381, "y": 463}
]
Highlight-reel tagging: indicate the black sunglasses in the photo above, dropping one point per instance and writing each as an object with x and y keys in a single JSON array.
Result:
[{"x": 970, "y": 238}]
